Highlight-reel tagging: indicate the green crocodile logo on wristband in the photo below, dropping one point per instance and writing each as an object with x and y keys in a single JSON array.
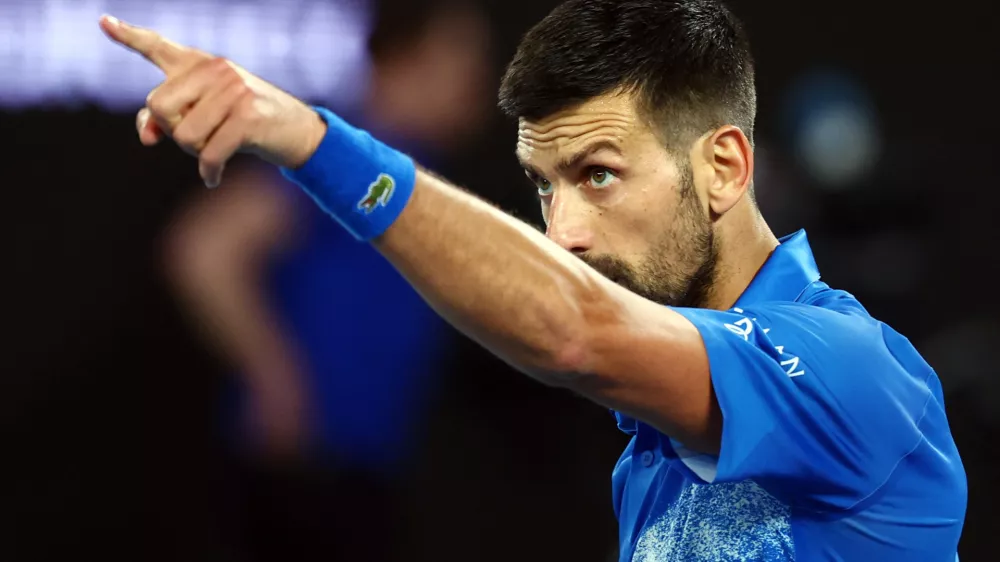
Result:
[{"x": 379, "y": 193}]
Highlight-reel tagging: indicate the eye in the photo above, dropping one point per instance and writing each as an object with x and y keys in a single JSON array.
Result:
[
  {"x": 544, "y": 187},
  {"x": 601, "y": 178}
]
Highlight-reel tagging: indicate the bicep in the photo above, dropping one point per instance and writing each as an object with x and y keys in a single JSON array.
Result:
[{"x": 650, "y": 364}]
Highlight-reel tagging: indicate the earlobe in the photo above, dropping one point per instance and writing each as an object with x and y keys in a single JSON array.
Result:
[{"x": 731, "y": 157}]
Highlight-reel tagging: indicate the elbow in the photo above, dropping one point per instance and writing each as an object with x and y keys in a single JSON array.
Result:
[{"x": 566, "y": 364}]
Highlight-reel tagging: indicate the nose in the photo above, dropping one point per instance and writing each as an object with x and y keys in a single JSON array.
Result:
[{"x": 568, "y": 223}]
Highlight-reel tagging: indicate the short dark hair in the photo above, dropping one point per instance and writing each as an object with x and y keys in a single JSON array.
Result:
[{"x": 688, "y": 62}]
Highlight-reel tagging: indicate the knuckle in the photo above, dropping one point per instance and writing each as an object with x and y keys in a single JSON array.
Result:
[
  {"x": 185, "y": 136},
  {"x": 157, "y": 104},
  {"x": 209, "y": 67},
  {"x": 240, "y": 89},
  {"x": 222, "y": 68},
  {"x": 248, "y": 102},
  {"x": 229, "y": 91},
  {"x": 243, "y": 108}
]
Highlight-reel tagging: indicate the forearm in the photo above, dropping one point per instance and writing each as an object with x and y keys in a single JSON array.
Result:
[{"x": 496, "y": 279}]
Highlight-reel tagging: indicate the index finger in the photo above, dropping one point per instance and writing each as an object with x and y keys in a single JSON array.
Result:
[{"x": 167, "y": 55}]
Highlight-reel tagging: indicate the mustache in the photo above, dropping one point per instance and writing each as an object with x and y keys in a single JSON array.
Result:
[
  {"x": 609, "y": 266},
  {"x": 618, "y": 271}
]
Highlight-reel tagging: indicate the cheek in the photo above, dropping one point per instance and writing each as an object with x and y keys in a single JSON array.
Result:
[
  {"x": 545, "y": 208},
  {"x": 637, "y": 204},
  {"x": 641, "y": 190},
  {"x": 617, "y": 195},
  {"x": 639, "y": 218}
]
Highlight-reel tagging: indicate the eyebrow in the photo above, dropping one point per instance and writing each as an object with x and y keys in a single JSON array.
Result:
[{"x": 574, "y": 161}]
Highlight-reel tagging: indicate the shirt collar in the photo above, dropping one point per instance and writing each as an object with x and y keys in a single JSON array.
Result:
[{"x": 786, "y": 275}]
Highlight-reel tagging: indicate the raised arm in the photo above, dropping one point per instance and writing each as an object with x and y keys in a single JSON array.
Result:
[{"x": 501, "y": 282}]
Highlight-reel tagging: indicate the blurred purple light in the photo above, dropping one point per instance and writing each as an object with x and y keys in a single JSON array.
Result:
[{"x": 52, "y": 52}]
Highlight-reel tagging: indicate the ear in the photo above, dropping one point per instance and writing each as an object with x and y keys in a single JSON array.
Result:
[{"x": 728, "y": 157}]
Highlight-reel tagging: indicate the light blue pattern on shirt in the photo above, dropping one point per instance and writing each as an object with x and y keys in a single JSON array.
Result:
[{"x": 716, "y": 523}]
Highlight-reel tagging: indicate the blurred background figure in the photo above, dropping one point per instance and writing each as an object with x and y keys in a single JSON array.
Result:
[{"x": 327, "y": 407}]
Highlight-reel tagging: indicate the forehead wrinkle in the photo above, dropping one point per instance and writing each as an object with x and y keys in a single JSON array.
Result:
[
  {"x": 557, "y": 129},
  {"x": 567, "y": 138},
  {"x": 564, "y": 134}
]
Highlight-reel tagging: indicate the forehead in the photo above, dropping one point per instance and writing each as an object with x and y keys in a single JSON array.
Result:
[{"x": 610, "y": 118}]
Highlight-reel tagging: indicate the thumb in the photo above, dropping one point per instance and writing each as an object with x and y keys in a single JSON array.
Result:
[{"x": 170, "y": 57}]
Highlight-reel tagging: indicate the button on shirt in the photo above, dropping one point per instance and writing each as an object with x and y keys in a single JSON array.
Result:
[
  {"x": 647, "y": 458},
  {"x": 835, "y": 443}
]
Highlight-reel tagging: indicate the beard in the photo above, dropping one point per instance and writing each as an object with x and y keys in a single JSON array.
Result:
[{"x": 681, "y": 267}]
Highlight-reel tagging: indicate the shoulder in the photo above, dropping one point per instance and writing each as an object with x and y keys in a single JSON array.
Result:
[
  {"x": 826, "y": 339},
  {"x": 837, "y": 322}
]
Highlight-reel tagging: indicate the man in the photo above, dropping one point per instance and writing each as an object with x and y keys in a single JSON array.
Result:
[
  {"x": 773, "y": 418},
  {"x": 326, "y": 415}
]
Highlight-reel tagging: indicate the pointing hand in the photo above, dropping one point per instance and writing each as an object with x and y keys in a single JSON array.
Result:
[{"x": 213, "y": 108}]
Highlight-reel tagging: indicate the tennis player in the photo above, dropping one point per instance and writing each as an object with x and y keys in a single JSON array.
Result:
[{"x": 772, "y": 417}]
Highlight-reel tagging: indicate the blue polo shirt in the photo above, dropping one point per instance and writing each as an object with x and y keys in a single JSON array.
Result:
[{"x": 835, "y": 443}]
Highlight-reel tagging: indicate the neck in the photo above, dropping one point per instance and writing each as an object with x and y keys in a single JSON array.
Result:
[{"x": 745, "y": 242}]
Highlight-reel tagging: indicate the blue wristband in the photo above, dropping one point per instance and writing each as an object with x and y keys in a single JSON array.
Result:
[{"x": 359, "y": 181}]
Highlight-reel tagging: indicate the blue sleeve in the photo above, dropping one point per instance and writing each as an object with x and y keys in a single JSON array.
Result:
[{"x": 818, "y": 407}]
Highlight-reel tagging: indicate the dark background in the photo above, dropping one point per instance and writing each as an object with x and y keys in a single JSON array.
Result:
[{"x": 107, "y": 398}]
